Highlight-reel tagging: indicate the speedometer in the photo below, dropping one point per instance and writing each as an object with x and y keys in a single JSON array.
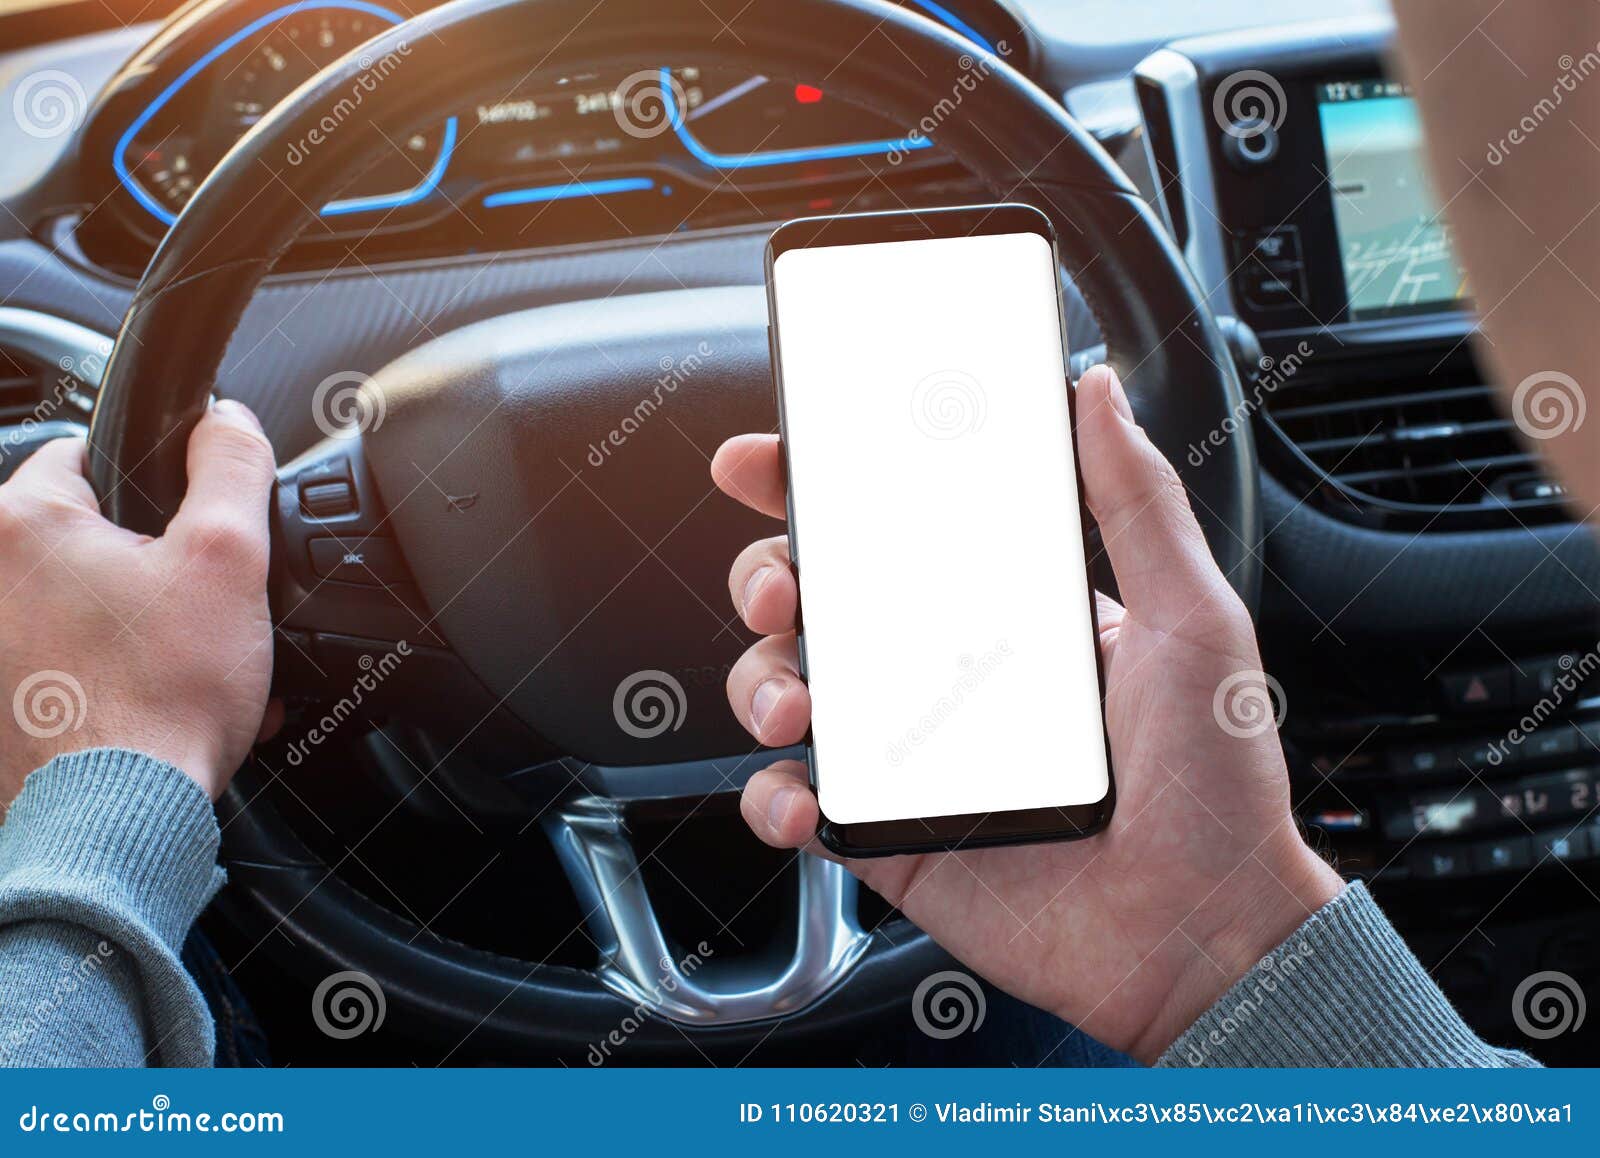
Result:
[
  {"x": 176, "y": 141},
  {"x": 292, "y": 52}
]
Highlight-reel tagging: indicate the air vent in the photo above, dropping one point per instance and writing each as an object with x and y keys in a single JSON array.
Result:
[
  {"x": 1433, "y": 442},
  {"x": 22, "y": 386},
  {"x": 50, "y": 368}
]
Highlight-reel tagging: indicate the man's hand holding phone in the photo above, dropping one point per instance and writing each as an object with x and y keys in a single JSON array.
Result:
[{"x": 1132, "y": 934}]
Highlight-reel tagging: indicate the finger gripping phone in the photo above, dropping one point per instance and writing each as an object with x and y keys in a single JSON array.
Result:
[{"x": 937, "y": 530}]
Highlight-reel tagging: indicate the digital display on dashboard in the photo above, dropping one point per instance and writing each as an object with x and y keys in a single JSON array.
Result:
[{"x": 1393, "y": 242}]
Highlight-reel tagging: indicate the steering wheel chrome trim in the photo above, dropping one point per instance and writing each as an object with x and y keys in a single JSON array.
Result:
[
  {"x": 637, "y": 961},
  {"x": 68, "y": 347}
]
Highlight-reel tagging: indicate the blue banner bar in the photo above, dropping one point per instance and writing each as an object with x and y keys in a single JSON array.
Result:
[{"x": 777, "y": 1112}]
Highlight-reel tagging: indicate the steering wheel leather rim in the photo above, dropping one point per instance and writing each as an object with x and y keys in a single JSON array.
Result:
[{"x": 1159, "y": 335}]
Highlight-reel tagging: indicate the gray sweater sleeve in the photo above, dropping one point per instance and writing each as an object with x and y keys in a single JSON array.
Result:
[
  {"x": 106, "y": 859},
  {"x": 1342, "y": 990}
]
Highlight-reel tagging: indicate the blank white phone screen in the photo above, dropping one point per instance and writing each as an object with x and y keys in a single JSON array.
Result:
[{"x": 949, "y": 641}]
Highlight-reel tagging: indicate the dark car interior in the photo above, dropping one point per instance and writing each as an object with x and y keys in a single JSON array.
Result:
[{"x": 477, "y": 235}]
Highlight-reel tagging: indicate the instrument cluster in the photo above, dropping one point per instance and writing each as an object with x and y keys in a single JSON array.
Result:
[{"x": 553, "y": 158}]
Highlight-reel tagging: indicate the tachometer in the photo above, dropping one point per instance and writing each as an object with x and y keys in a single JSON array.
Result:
[
  {"x": 292, "y": 52},
  {"x": 171, "y": 146}
]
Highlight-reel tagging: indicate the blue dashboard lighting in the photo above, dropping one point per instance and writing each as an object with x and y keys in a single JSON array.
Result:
[
  {"x": 566, "y": 192},
  {"x": 776, "y": 156},
  {"x": 950, "y": 20},
  {"x": 353, "y": 205},
  {"x": 411, "y": 196}
]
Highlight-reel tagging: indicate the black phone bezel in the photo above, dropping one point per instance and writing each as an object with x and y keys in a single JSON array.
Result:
[{"x": 968, "y": 830}]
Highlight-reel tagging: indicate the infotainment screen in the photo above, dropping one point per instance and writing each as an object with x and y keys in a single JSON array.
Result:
[{"x": 1393, "y": 242}]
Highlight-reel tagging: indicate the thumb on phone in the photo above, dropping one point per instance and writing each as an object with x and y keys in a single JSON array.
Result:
[{"x": 1164, "y": 568}]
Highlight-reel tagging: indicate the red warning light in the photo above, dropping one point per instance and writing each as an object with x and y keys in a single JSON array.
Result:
[{"x": 807, "y": 94}]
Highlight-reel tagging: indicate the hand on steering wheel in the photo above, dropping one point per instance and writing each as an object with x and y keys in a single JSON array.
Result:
[
  {"x": 1134, "y": 933},
  {"x": 115, "y": 639}
]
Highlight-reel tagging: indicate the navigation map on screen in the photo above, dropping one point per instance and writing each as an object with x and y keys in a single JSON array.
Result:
[{"x": 1394, "y": 245}]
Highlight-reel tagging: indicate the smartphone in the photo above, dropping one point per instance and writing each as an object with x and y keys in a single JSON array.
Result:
[{"x": 936, "y": 524}]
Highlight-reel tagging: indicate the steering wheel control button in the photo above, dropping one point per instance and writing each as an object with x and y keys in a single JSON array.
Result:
[
  {"x": 373, "y": 561},
  {"x": 1477, "y": 690},
  {"x": 327, "y": 500}
]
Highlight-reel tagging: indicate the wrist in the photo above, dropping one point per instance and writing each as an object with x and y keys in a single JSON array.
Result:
[{"x": 1251, "y": 913}]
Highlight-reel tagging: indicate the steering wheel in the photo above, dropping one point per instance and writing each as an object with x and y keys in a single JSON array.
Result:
[{"x": 538, "y": 588}]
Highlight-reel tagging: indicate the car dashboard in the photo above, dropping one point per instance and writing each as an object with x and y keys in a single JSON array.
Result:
[{"x": 605, "y": 153}]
